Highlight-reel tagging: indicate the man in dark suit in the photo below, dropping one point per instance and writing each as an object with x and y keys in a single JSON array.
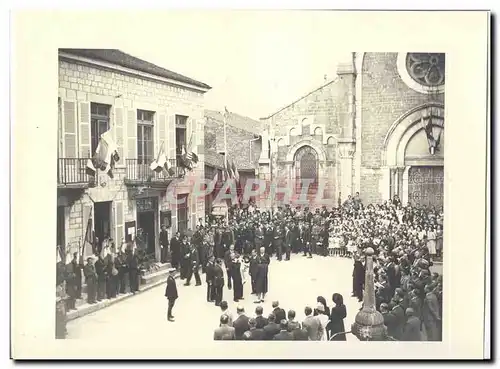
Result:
[
  {"x": 278, "y": 312},
  {"x": 260, "y": 320},
  {"x": 224, "y": 332},
  {"x": 300, "y": 334},
  {"x": 209, "y": 274},
  {"x": 164, "y": 243},
  {"x": 240, "y": 324},
  {"x": 171, "y": 293},
  {"x": 228, "y": 262},
  {"x": 253, "y": 267},
  {"x": 193, "y": 266},
  {"x": 306, "y": 238},
  {"x": 292, "y": 323},
  {"x": 390, "y": 320},
  {"x": 175, "y": 250},
  {"x": 283, "y": 335},
  {"x": 278, "y": 237},
  {"x": 411, "y": 330},
  {"x": 254, "y": 333},
  {"x": 288, "y": 242},
  {"x": 271, "y": 329},
  {"x": 218, "y": 277}
]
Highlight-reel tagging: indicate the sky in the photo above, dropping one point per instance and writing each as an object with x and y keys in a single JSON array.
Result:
[{"x": 255, "y": 62}]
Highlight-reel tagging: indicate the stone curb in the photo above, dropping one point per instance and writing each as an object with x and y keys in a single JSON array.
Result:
[{"x": 87, "y": 309}]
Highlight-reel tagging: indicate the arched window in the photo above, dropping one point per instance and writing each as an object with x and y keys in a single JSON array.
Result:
[{"x": 306, "y": 167}]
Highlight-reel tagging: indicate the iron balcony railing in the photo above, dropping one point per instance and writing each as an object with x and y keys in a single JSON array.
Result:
[
  {"x": 72, "y": 171},
  {"x": 138, "y": 170}
]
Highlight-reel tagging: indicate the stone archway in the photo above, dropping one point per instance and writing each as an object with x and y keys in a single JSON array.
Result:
[
  {"x": 402, "y": 162},
  {"x": 306, "y": 166}
]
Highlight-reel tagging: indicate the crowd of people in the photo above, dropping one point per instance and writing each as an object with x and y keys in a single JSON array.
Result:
[
  {"x": 406, "y": 239},
  {"x": 238, "y": 248},
  {"x": 320, "y": 323}
]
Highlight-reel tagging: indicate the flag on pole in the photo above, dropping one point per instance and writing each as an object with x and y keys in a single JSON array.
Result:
[
  {"x": 235, "y": 171},
  {"x": 230, "y": 169},
  {"x": 160, "y": 162},
  {"x": 214, "y": 181},
  {"x": 105, "y": 156},
  {"x": 59, "y": 253}
]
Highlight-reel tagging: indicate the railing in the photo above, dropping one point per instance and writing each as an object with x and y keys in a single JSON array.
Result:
[
  {"x": 138, "y": 171},
  {"x": 72, "y": 171}
]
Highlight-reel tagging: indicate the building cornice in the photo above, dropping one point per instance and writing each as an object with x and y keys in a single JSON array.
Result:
[{"x": 130, "y": 71}]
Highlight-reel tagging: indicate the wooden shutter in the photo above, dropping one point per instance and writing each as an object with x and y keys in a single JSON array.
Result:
[
  {"x": 190, "y": 136},
  {"x": 156, "y": 135},
  {"x": 171, "y": 135},
  {"x": 119, "y": 133},
  {"x": 60, "y": 138},
  {"x": 69, "y": 123},
  {"x": 119, "y": 222},
  {"x": 132, "y": 134},
  {"x": 162, "y": 131},
  {"x": 84, "y": 125}
]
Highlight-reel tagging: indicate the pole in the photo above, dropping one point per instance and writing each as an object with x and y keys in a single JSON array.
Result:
[{"x": 225, "y": 156}]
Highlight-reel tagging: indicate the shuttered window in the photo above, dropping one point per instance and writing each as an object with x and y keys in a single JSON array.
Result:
[
  {"x": 69, "y": 127},
  {"x": 119, "y": 122},
  {"x": 145, "y": 136}
]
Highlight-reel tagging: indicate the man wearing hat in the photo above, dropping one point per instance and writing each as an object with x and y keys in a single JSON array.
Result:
[{"x": 171, "y": 293}]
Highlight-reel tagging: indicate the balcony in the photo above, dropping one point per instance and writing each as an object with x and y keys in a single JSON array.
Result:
[
  {"x": 71, "y": 174},
  {"x": 137, "y": 173}
]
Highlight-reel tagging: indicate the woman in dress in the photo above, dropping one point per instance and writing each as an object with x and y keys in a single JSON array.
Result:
[
  {"x": 322, "y": 300},
  {"x": 431, "y": 241},
  {"x": 439, "y": 241},
  {"x": 331, "y": 241},
  {"x": 324, "y": 320},
  {"x": 337, "y": 317}
]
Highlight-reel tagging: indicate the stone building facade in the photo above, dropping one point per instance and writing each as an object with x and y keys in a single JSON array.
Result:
[
  {"x": 147, "y": 108},
  {"x": 243, "y": 147},
  {"x": 368, "y": 131}
]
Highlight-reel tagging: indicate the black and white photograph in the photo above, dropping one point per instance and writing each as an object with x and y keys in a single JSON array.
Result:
[{"x": 266, "y": 187}]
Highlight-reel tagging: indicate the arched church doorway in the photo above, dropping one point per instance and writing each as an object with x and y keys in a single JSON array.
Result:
[{"x": 306, "y": 169}]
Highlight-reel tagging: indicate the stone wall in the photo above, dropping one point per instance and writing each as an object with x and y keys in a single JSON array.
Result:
[{"x": 384, "y": 98}]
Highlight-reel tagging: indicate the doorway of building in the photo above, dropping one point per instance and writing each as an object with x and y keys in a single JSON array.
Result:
[
  {"x": 306, "y": 169},
  {"x": 102, "y": 222},
  {"x": 425, "y": 185},
  {"x": 146, "y": 221},
  {"x": 182, "y": 213}
]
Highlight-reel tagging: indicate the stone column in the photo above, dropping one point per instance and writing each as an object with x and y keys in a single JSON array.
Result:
[
  {"x": 369, "y": 323},
  {"x": 346, "y": 149},
  {"x": 405, "y": 194}
]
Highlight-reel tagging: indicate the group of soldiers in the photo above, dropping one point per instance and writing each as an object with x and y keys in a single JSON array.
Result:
[{"x": 106, "y": 277}]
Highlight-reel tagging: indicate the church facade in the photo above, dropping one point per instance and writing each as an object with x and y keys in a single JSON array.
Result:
[{"x": 377, "y": 129}]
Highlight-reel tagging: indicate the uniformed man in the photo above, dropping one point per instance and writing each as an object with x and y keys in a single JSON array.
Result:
[
  {"x": 91, "y": 280},
  {"x": 185, "y": 257},
  {"x": 209, "y": 274},
  {"x": 193, "y": 266},
  {"x": 278, "y": 236},
  {"x": 101, "y": 278},
  {"x": 305, "y": 237},
  {"x": 171, "y": 293},
  {"x": 164, "y": 243},
  {"x": 218, "y": 277},
  {"x": 258, "y": 236}
]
